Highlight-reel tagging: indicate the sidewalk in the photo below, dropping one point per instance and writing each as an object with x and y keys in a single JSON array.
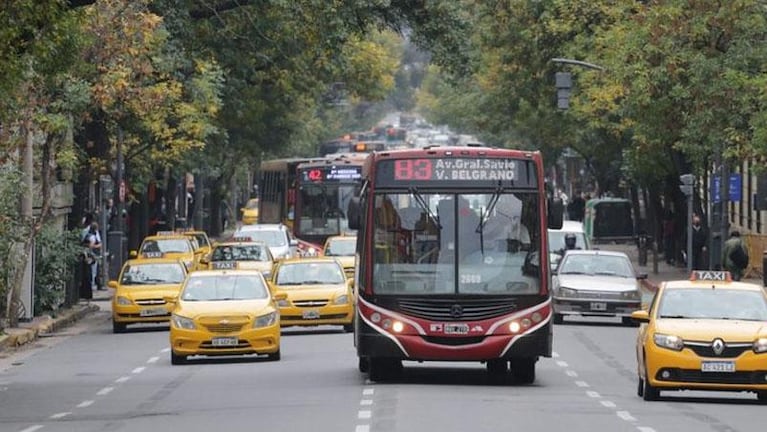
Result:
[
  {"x": 665, "y": 272},
  {"x": 29, "y": 331}
]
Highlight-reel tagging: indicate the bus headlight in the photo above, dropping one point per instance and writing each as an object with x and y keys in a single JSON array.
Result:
[
  {"x": 514, "y": 327},
  {"x": 398, "y": 326}
]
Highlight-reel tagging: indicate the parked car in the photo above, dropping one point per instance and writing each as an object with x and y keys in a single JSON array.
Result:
[{"x": 596, "y": 283}]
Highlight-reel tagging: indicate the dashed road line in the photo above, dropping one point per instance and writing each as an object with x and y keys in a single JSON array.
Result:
[
  {"x": 582, "y": 384},
  {"x": 365, "y": 402},
  {"x": 85, "y": 404},
  {"x": 362, "y": 428},
  {"x": 105, "y": 391},
  {"x": 122, "y": 379},
  {"x": 364, "y": 414},
  {"x": 593, "y": 394},
  {"x": 138, "y": 370},
  {"x": 555, "y": 354},
  {"x": 60, "y": 415},
  {"x": 607, "y": 403},
  {"x": 571, "y": 373},
  {"x": 645, "y": 429},
  {"x": 368, "y": 391},
  {"x": 164, "y": 350},
  {"x": 32, "y": 428},
  {"x": 562, "y": 363},
  {"x": 153, "y": 360},
  {"x": 625, "y": 415}
]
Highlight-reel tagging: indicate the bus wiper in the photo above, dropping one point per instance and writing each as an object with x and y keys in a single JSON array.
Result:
[
  {"x": 484, "y": 216},
  {"x": 422, "y": 203}
]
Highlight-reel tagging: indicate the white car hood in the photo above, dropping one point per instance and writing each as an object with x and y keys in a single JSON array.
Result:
[{"x": 597, "y": 283}]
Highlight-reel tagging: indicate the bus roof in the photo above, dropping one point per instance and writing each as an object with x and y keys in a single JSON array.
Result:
[{"x": 471, "y": 151}]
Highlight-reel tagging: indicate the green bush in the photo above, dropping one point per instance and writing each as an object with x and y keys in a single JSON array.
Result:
[{"x": 56, "y": 258}]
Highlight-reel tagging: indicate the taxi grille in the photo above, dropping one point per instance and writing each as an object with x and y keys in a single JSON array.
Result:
[
  {"x": 149, "y": 302},
  {"x": 209, "y": 345},
  {"x": 310, "y": 303},
  {"x": 696, "y": 376},
  {"x": 446, "y": 309},
  {"x": 322, "y": 317},
  {"x": 454, "y": 341},
  {"x": 224, "y": 328},
  {"x": 704, "y": 349}
]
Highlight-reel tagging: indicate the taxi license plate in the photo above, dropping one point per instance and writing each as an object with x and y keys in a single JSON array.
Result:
[
  {"x": 224, "y": 341},
  {"x": 456, "y": 328},
  {"x": 717, "y": 366},
  {"x": 311, "y": 314},
  {"x": 152, "y": 312},
  {"x": 598, "y": 306}
]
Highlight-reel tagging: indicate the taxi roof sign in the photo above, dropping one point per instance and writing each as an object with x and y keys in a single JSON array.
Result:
[
  {"x": 166, "y": 233},
  {"x": 711, "y": 276},
  {"x": 153, "y": 255},
  {"x": 241, "y": 239}
]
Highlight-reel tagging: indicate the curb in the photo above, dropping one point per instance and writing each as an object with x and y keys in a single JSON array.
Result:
[{"x": 24, "y": 335}]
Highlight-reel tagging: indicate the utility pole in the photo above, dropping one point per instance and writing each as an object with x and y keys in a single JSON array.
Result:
[
  {"x": 687, "y": 187},
  {"x": 117, "y": 233}
]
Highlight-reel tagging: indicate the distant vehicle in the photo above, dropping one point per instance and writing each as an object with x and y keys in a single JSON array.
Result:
[
  {"x": 281, "y": 243},
  {"x": 225, "y": 312},
  {"x": 608, "y": 220},
  {"x": 706, "y": 333},
  {"x": 202, "y": 241},
  {"x": 557, "y": 240},
  {"x": 250, "y": 212},
  {"x": 239, "y": 253},
  {"x": 343, "y": 249},
  {"x": 596, "y": 283},
  {"x": 170, "y": 244}
]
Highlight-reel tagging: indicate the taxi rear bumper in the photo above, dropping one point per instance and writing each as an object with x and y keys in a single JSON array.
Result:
[
  {"x": 124, "y": 314},
  {"x": 326, "y": 315}
]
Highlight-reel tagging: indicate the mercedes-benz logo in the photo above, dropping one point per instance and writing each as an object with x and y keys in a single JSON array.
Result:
[
  {"x": 718, "y": 346},
  {"x": 456, "y": 311}
]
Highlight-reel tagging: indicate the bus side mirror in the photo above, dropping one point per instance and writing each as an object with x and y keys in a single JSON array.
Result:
[
  {"x": 353, "y": 213},
  {"x": 556, "y": 213}
]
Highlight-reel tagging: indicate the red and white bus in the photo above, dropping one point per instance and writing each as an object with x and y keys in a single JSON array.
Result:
[{"x": 453, "y": 260}]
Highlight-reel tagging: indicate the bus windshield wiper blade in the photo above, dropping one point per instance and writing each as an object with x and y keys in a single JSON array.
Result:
[
  {"x": 422, "y": 203},
  {"x": 490, "y": 207}
]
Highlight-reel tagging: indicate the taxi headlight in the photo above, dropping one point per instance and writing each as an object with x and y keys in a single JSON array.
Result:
[
  {"x": 567, "y": 292},
  {"x": 283, "y": 303},
  {"x": 342, "y": 299},
  {"x": 124, "y": 301},
  {"x": 760, "y": 345},
  {"x": 632, "y": 295},
  {"x": 183, "y": 322},
  {"x": 668, "y": 341},
  {"x": 265, "y": 320}
]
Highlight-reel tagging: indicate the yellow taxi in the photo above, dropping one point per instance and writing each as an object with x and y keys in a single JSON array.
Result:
[
  {"x": 203, "y": 242},
  {"x": 342, "y": 248},
  {"x": 239, "y": 253},
  {"x": 145, "y": 291},
  {"x": 706, "y": 333},
  {"x": 225, "y": 312},
  {"x": 169, "y": 244},
  {"x": 317, "y": 291},
  {"x": 250, "y": 212}
]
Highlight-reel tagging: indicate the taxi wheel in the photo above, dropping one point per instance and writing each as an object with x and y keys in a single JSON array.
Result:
[
  {"x": 640, "y": 387},
  {"x": 275, "y": 356},
  {"x": 118, "y": 327},
  {"x": 177, "y": 359},
  {"x": 559, "y": 318},
  {"x": 349, "y": 328},
  {"x": 649, "y": 393},
  {"x": 627, "y": 321},
  {"x": 523, "y": 370},
  {"x": 761, "y": 396}
]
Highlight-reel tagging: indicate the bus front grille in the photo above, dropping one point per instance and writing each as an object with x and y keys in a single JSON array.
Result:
[{"x": 456, "y": 309}]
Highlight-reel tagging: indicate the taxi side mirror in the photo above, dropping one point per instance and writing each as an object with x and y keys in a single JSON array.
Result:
[
  {"x": 279, "y": 296},
  {"x": 642, "y": 276},
  {"x": 133, "y": 254},
  {"x": 112, "y": 284},
  {"x": 640, "y": 316}
]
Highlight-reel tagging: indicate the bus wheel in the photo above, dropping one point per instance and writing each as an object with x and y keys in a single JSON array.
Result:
[
  {"x": 497, "y": 368},
  {"x": 363, "y": 364},
  {"x": 383, "y": 369},
  {"x": 523, "y": 370}
]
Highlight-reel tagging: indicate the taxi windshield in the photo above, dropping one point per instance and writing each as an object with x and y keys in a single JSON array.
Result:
[
  {"x": 152, "y": 274},
  {"x": 240, "y": 253},
  {"x": 202, "y": 239},
  {"x": 177, "y": 245},
  {"x": 310, "y": 274},
  {"x": 707, "y": 303},
  {"x": 224, "y": 287},
  {"x": 341, "y": 247}
]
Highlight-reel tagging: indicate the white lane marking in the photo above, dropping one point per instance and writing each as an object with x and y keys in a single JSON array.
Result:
[
  {"x": 593, "y": 394},
  {"x": 32, "y": 428},
  {"x": 625, "y": 415},
  {"x": 571, "y": 373},
  {"x": 164, "y": 350},
  {"x": 85, "y": 404},
  {"x": 608, "y": 404},
  {"x": 153, "y": 359},
  {"x": 645, "y": 429},
  {"x": 105, "y": 391},
  {"x": 362, "y": 428},
  {"x": 368, "y": 391},
  {"x": 562, "y": 363},
  {"x": 364, "y": 414},
  {"x": 555, "y": 354},
  {"x": 122, "y": 379},
  {"x": 60, "y": 415},
  {"x": 368, "y": 382},
  {"x": 366, "y": 402},
  {"x": 138, "y": 370},
  {"x": 581, "y": 384}
]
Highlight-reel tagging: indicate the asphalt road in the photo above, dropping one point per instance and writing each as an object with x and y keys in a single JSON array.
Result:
[{"x": 88, "y": 379}]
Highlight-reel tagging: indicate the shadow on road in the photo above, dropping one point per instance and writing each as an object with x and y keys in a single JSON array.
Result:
[
  {"x": 441, "y": 375},
  {"x": 708, "y": 400}
]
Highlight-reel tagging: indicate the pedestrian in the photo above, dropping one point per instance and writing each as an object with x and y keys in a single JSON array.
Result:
[
  {"x": 669, "y": 230},
  {"x": 577, "y": 208},
  {"x": 699, "y": 244},
  {"x": 93, "y": 243},
  {"x": 735, "y": 256}
]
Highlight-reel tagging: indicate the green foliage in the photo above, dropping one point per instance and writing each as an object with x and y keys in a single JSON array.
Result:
[
  {"x": 12, "y": 230},
  {"x": 56, "y": 257}
]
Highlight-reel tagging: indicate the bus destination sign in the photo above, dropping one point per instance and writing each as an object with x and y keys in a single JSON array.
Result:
[
  {"x": 332, "y": 173},
  {"x": 456, "y": 171}
]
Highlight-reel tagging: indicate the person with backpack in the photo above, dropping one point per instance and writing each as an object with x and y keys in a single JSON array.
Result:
[{"x": 735, "y": 256}]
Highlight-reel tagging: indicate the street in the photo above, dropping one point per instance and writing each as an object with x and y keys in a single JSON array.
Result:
[{"x": 88, "y": 379}]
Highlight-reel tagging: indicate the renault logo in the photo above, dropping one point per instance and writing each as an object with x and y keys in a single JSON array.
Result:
[
  {"x": 718, "y": 346},
  {"x": 456, "y": 311},
  {"x": 224, "y": 321}
]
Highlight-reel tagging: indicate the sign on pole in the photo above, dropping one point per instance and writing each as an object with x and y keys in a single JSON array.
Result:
[{"x": 735, "y": 189}]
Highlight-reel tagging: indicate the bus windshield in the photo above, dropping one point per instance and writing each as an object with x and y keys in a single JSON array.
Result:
[
  {"x": 446, "y": 243},
  {"x": 323, "y": 209}
]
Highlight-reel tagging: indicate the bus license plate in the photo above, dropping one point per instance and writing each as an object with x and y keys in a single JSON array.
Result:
[
  {"x": 224, "y": 341},
  {"x": 456, "y": 329},
  {"x": 152, "y": 312},
  {"x": 717, "y": 366},
  {"x": 598, "y": 306},
  {"x": 311, "y": 314}
]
